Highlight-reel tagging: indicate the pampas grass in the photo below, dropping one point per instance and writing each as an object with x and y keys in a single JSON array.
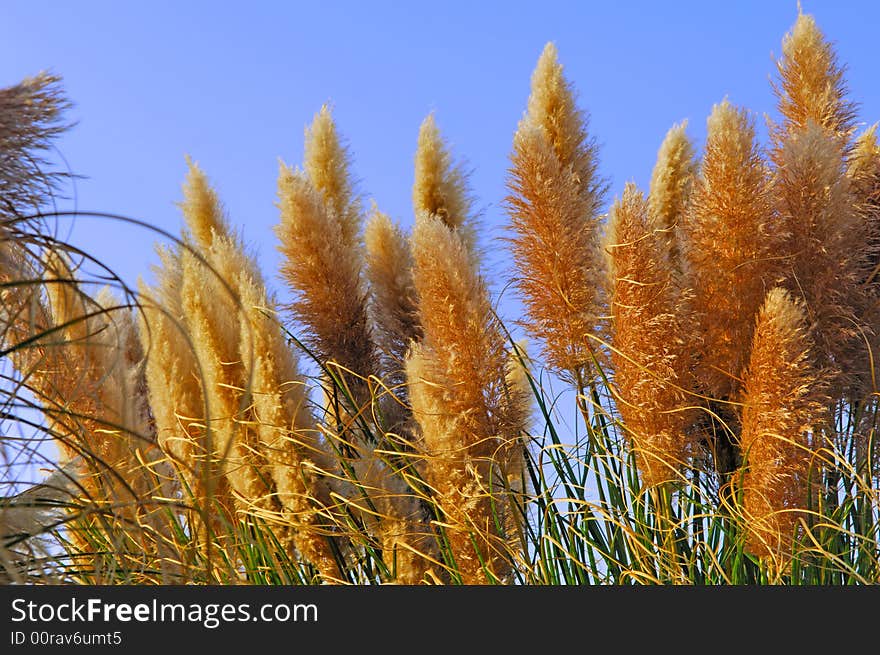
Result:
[
  {"x": 393, "y": 301},
  {"x": 323, "y": 269},
  {"x": 730, "y": 275},
  {"x": 554, "y": 202},
  {"x": 784, "y": 411},
  {"x": 671, "y": 183},
  {"x": 653, "y": 360},
  {"x": 440, "y": 186},
  {"x": 811, "y": 85},
  {"x": 458, "y": 386},
  {"x": 384, "y": 424},
  {"x": 829, "y": 248}
]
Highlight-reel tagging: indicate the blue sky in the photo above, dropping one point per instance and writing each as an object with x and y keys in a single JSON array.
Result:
[{"x": 233, "y": 85}]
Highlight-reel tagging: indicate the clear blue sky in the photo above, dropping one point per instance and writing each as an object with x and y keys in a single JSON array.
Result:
[{"x": 233, "y": 84}]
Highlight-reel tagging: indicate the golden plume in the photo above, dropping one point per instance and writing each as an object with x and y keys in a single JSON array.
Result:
[
  {"x": 289, "y": 439},
  {"x": 552, "y": 106},
  {"x": 90, "y": 383},
  {"x": 828, "y": 258},
  {"x": 440, "y": 186},
  {"x": 811, "y": 85},
  {"x": 457, "y": 383},
  {"x": 652, "y": 357},
  {"x": 554, "y": 202},
  {"x": 784, "y": 411},
  {"x": 324, "y": 273},
  {"x": 864, "y": 171},
  {"x": 732, "y": 244},
  {"x": 321, "y": 243},
  {"x": 671, "y": 183},
  {"x": 177, "y": 402},
  {"x": 393, "y": 308},
  {"x": 211, "y": 312},
  {"x": 327, "y": 163}
]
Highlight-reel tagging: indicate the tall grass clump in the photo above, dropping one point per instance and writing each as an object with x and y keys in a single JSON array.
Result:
[{"x": 699, "y": 405}]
